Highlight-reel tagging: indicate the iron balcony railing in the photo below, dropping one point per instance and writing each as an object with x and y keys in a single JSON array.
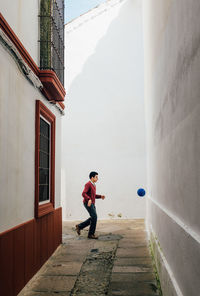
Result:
[{"x": 52, "y": 36}]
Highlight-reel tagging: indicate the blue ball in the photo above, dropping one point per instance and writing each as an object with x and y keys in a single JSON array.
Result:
[{"x": 141, "y": 192}]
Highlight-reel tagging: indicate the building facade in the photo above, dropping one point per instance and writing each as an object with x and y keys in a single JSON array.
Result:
[{"x": 31, "y": 106}]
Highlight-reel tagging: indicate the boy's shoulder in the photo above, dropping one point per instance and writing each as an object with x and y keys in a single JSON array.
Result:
[{"x": 89, "y": 185}]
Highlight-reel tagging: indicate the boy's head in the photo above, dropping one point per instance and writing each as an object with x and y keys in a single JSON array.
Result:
[{"x": 93, "y": 177}]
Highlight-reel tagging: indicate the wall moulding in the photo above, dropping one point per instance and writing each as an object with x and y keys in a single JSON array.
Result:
[{"x": 51, "y": 88}]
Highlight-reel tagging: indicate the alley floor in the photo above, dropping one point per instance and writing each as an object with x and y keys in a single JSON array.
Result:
[{"x": 118, "y": 263}]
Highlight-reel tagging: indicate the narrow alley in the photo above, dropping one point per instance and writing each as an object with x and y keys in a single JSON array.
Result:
[
  {"x": 118, "y": 263},
  {"x": 115, "y": 91}
]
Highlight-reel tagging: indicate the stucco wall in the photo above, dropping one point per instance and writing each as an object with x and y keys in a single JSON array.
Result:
[
  {"x": 172, "y": 91},
  {"x": 104, "y": 129},
  {"x": 17, "y": 144},
  {"x": 22, "y": 16}
]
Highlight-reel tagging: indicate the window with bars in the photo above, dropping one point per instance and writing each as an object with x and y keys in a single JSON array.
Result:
[
  {"x": 44, "y": 160},
  {"x": 44, "y": 167},
  {"x": 52, "y": 36}
]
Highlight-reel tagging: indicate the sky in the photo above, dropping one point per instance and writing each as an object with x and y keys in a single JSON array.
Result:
[{"x": 74, "y": 8}]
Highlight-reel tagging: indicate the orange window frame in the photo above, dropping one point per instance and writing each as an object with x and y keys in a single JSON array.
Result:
[{"x": 42, "y": 110}]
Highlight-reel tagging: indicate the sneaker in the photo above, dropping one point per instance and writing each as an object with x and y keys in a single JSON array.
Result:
[
  {"x": 78, "y": 229},
  {"x": 92, "y": 236}
]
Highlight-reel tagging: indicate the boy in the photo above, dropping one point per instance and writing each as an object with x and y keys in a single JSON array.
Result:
[{"x": 89, "y": 196}]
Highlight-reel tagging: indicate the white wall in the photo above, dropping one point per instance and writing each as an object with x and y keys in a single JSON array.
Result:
[
  {"x": 172, "y": 90},
  {"x": 22, "y": 17},
  {"x": 17, "y": 144},
  {"x": 104, "y": 126}
]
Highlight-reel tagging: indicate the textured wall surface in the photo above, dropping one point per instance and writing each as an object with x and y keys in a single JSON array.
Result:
[
  {"x": 22, "y": 16},
  {"x": 104, "y": 129},
  {"x": 172, "y": 91}
]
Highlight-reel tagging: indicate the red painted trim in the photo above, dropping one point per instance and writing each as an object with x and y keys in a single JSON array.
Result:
[
  {"x": 6, "y": 264},
  {"x": 19, "y": 259},
  {"x": 24, "y": 249},
  {"x": 50, "y": 76},
  {"x": 41, "y": 109},
  {"x": 52, "y": 87},
  {"x": 16, "y": 227},
  {"x": 61, "y": 105},
  {"x": 29, "y": 249}
]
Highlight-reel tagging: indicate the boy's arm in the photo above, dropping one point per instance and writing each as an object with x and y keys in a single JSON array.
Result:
[
  {"x": 85, "y": 192},
  {"x": 99, "y": 196}
]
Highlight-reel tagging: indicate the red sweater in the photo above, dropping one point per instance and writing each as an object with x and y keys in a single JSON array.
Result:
[{"x": 89, "y": 192}]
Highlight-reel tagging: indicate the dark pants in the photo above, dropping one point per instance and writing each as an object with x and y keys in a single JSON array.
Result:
[{"x": 92, "y": 221}]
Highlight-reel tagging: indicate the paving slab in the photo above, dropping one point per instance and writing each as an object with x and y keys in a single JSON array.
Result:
[
  {"x": 130, "y": 290},
  {"x": 64, "y": 268},
  {"x": 133, "y": 290},
  {"x": 131, "y": 269},
  {"x": 68, "y": 258},
  {"x": 132, "y": 252},
  {"x": 133, "y": 277},
  {"x": 145, "y": 262},
  {"x": 54, "y": 283},
  {"x": 32, "y": 293},
  {"x": 129, "y": 243}
]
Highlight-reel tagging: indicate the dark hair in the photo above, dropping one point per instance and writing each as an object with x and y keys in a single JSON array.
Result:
[{"x": 92, "y": 174}]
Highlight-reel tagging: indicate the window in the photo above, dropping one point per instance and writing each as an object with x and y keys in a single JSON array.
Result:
[
  {"x": 52, "y": 36},
  {"x": 44, "y": 163},
  {"x": 44, "y": 160}
]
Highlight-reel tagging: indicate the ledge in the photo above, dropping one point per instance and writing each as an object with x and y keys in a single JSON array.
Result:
[{"x": 52, "y": 87}]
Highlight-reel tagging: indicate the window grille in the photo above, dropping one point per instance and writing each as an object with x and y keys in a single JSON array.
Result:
[
  {"x": 52, "y": 36},
  {"x": 44, "y": 160},
  {"x": 44, "y": 166}
]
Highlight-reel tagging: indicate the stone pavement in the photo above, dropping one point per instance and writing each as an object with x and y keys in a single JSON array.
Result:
[{"x": 118, "y": 263}]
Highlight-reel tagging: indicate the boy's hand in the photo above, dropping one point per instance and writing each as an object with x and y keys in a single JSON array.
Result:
[
  {"x": 102, "y": 196},
  {"x": 89, "y": 203}
]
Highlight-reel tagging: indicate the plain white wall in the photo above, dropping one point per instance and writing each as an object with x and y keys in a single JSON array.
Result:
[
  {"x": 104, "y": 127},
  {"x": 17, "y": 144},
  {"x": 172, "y": 91},
  {"x": 22, "y": 17}
]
